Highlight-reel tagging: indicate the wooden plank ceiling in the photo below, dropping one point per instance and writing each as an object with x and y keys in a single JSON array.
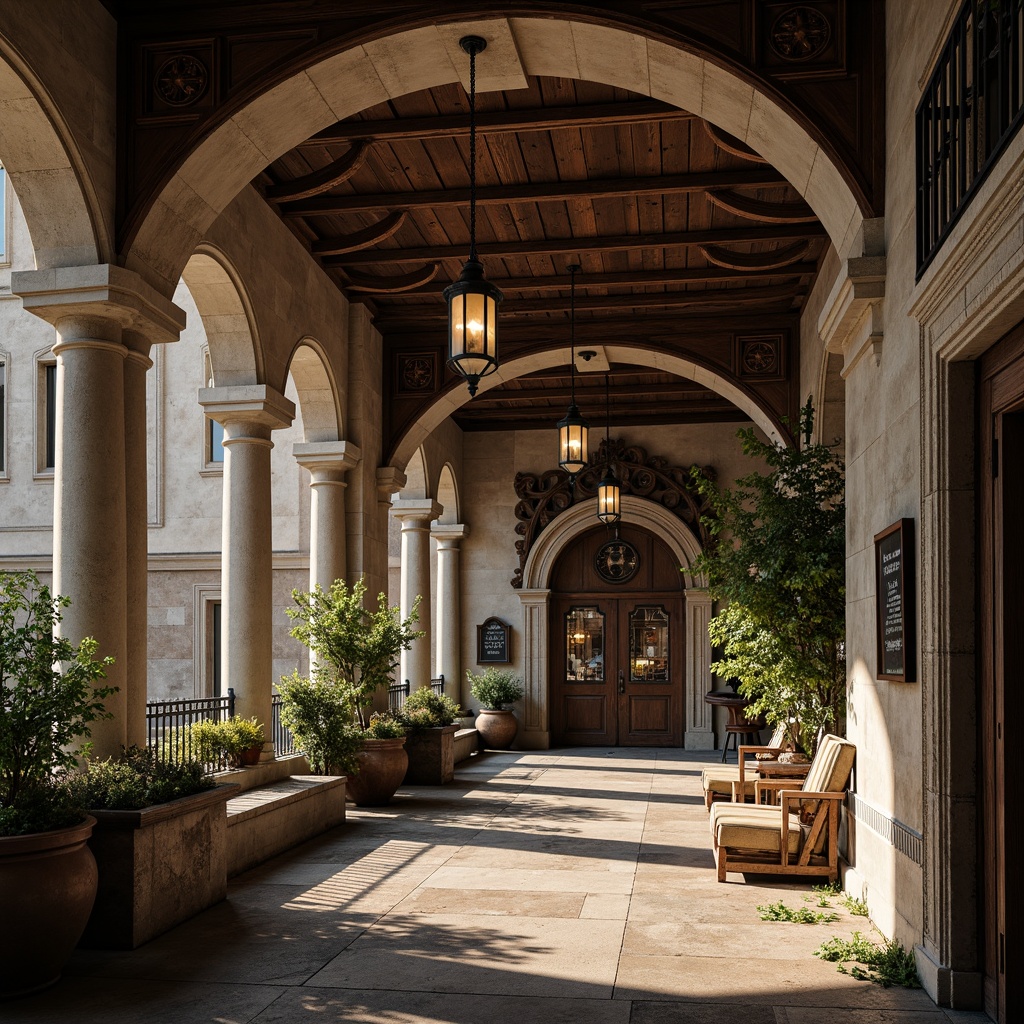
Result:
[{"x": 667, "y": 217}]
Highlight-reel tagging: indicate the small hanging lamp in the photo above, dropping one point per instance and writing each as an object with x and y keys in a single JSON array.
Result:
[
  {"x": 472, "y": 300},
  {"x": 608, "y": 490},
  {"x": 573, "y": 450}
]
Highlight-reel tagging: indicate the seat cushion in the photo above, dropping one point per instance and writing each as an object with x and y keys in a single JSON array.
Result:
[
  {"x": 831, "y": 767},
  {"x": 725, "y": 772},
  {"x": 742, "y": 826},
  {"x": 724, "y": 786}
]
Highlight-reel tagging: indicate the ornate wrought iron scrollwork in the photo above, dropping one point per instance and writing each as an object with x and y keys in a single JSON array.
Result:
[{"x": 544, "y": 496}]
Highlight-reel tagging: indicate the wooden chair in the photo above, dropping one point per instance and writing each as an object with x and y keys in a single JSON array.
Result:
[
  {"x": 720, "y": 782},
  {"x": 800, "y": 836}
]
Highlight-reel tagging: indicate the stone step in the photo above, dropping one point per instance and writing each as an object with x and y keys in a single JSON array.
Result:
[{"x": 268, "y": 820}]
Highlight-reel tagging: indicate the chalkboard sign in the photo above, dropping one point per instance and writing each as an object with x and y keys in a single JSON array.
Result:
[
  {"x": 894, "y": 587},
  {"x": 492, "y": 642}
]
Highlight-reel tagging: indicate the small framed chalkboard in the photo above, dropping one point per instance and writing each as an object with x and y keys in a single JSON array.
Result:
[
  {"x": 895, "y": 587},
  {"x": 492, "y": 642}
]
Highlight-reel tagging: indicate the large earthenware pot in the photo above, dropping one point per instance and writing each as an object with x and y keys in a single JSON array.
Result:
[
  {"x": 497, "y": 729},
  {"x": 382, "y": 766},
  {"x": 47, "y": 888}
]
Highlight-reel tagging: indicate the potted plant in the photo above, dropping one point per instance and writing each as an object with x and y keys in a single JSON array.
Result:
[
  {"x": 430, "y": 743},
  {"x": 243, "y": 741},
  {"x": 494, "y": 689},
  {"x": 50, "y": 693},
  {"x": 354, "y": 653}
]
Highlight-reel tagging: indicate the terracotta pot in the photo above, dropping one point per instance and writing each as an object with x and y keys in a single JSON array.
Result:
[
  {"x": 497, "y": 729},
  {"x": 382, "y": 766},
  {"x": 47, "y": 888},
  {"x": 252, "y": 755}
]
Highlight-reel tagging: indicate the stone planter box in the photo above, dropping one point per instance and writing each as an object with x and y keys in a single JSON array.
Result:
[
  {"x": 431, "y": 756},
  {"x": 157, "y": 867}
]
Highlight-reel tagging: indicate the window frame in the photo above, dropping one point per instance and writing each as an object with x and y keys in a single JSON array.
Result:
[{"x": 43, "y": 405}]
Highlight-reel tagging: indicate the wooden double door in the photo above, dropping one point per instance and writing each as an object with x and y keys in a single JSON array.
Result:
[{"x": 616, "y": 666}]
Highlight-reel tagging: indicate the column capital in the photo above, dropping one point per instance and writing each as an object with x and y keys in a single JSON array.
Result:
[
  {"x": 413, "y": 512},
  {"x": 448, "y": 535},
  {"x": 247, "y": 406},
  {"x": 327, "y": 459},
  {"x": 389, "y": 481},
  {"x": 71, "y": 297}
]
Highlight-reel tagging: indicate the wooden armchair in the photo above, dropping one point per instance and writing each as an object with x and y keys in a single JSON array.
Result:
[
  {"x": 720, "y": 782},
  {"x": 800, "y": 836}
]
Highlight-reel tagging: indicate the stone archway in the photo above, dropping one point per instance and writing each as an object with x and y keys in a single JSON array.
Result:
[
  {"x": 535, "y": 595},
  {"x": 334, "y": 87}
]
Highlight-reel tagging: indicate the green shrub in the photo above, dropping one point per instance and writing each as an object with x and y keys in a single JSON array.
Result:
[
  {"x": 425, "y": 709},
  {"x": 495, "y": 688},
  {"x": 385, "y": 726},
  {"x": 136, "y": 779},
  {"x": 319, "y": 713},
  {"x": 212, "y": 742}
]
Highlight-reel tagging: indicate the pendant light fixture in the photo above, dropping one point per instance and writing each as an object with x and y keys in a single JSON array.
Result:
[
  {"x": 472, "y": 300},
  {"x": 573, "y": 451},
  {"x": 608, "y": 490}
]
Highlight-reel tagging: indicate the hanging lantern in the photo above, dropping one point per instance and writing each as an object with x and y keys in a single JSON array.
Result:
[
  {"x": 573, "y": 448},
  {"x": 609, "y": 493},
  {"x": 472, "y": 300}
]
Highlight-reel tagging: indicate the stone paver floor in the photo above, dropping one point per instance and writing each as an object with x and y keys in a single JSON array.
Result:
[{"x": 557, "y": 886}]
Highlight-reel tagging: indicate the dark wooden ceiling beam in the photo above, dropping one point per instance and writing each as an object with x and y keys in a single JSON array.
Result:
[
  {"x": 312, "y": 184},
  {"x": 638, "y": 300},
  {"x": 489, "y": 122},
  {"x": 757, "y": 209},
  {"x": 634, "y": 412},
  {"x": 558, "y": 191},
  {"x": 765, "y": 261},
  {"x": 634, "y": 278},
  {"x": 574, "y": 246},
  {"x": 588, "y": 394},
  {"x": 367, "y": 237}
]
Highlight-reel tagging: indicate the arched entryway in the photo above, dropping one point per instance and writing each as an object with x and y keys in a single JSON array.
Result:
[{"x": 617, "y": 641}]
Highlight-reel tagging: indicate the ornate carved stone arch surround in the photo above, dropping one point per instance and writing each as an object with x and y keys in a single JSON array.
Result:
[{"x": 535, "y": 595}]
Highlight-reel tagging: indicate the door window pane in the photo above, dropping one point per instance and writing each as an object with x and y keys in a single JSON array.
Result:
[
  {"x": 648, "y": 644},
  {"x": 584, "y": 645}
]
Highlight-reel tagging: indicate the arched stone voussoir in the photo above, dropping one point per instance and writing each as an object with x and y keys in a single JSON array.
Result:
[{"x": 322, "y": 418}]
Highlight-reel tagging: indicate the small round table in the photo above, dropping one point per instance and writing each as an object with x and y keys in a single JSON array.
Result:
[{"x": 739, "y": 724}]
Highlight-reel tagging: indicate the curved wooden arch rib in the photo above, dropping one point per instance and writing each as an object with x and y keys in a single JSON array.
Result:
[
  {"x": 358, "y": 282},
  {"x": 363, "y": 239},
  {"x": 757, "y": 209},
  {"x": 315, "y": 182},
  {"x": 723, "y": 257},
  {"x": 731, "y": 144}
]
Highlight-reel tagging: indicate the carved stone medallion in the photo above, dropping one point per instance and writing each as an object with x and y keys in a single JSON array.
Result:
[
  {"x": 181, "y": 80},
  {"x": 800, "y": 33}
]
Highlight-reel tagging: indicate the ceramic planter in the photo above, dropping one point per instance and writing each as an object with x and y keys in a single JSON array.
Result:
[
  {"x": 47, "y": 888},
  {"x": 431, "y": 756},
  {"x": 497, "y": 729},
  {"x": 157, "y": 867},
  {"x": 382, "y": 767}
]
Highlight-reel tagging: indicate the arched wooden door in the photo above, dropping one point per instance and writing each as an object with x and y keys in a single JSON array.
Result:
[{"x": 616, "y": 646}]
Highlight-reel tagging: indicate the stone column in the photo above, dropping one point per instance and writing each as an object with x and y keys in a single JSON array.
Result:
[
  {"x": 327, "y": 462},
  {"x": 416, "y": 516},
  {"x": 700, "y": 734},
  {"x": 449, "y": 604},
  {"x": 536, "y": 732},
  {"x": 99, "y": 517},
  {"x": 249, "y": 414}
]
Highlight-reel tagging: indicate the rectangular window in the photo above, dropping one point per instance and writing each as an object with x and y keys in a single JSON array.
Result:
[
  {"x": 3, "y": 416},
  {"x": 3, "y": 215},
  {"x": 215, "y": 442},
  {"x": 215, "y": 638},
  {"x": 50, "y": 373}
]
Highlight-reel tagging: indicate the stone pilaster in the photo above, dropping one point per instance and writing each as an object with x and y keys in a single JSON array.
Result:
[
  {"x": 536, "y": 731},
  {"x": 700, "y": 733}
]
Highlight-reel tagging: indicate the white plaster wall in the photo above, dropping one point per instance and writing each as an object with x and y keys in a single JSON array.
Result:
[{"x": 491, "y": 460}]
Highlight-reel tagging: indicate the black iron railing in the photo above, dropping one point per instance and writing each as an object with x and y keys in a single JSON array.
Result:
[
  {"x": 971, "y": 108},
  {"x": 437, "y": 685},
  {"x": 168, "y": 724},
  {"x": 397, "y": 692},
  {"x": 284, "y": 741}
]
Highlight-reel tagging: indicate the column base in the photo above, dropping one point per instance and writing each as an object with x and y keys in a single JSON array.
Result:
[
  {"x": 699, "y": 739},
  {"x": 959, "y": 990}
]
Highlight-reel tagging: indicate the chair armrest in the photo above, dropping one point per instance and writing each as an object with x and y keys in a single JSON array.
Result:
[
  {"x": 833, "y": 795},
  {"x": 742, "y": 752}
]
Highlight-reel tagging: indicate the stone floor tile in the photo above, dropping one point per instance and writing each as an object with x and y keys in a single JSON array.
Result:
[
  {"x": 801, "y": 981},
  {"x": 329, "y": 1006},
  {"x": 701, "y": 1013},
  {"x": 813, "y": 1015},
  {"x": 496, "y": 902},
  {"x": 536, "y": 880},
  {"x": 606, "y": 906},
  {"x": 462, "y": 953}
]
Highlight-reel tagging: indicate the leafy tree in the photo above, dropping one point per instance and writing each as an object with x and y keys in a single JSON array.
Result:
[
  {"x": 779, "y": 560},
  {"x": 356, "y": 650}
]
